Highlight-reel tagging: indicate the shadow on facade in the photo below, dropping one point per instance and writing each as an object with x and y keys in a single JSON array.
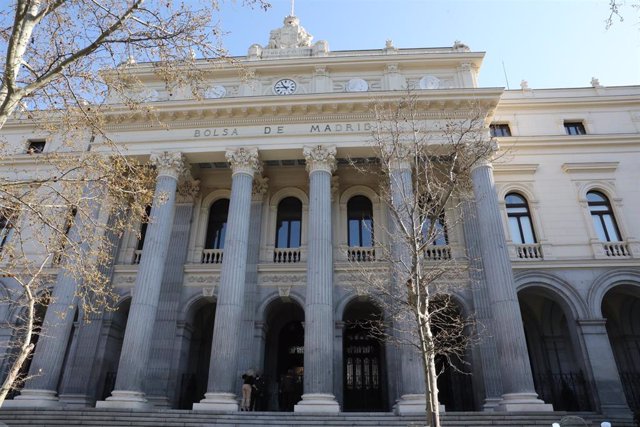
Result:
[
  {"x": 558, "y": 375},
  {"x": 284, "y": 356},
  {"x": 621, "y": 308},
  {"x": 113, "y": 347}
]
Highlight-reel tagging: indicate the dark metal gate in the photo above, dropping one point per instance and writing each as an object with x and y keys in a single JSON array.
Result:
[{"x": 362, "y": 372}]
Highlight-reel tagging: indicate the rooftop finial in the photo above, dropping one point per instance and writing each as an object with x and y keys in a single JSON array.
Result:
[{"x": 293, "y": 3}]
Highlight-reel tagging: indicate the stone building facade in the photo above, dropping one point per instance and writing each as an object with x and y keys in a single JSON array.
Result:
[{"x": 246, "y": 264}]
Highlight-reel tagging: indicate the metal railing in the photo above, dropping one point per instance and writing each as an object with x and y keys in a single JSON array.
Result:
[
  {"x": 566, "y": 392},
  {"x": 212, "y": 256}
]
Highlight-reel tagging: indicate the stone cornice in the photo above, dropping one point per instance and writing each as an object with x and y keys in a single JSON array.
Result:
[
  {"x": 568, "y": 141},
  {"x": 515, "y": 168},
  {"x": 590, "y": 167}
]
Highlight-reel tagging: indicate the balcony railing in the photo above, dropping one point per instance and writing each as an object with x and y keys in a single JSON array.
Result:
[
  {"x": 211, "y": 256},
  {"x": 529, "y": 251},
  {"x": 361, "y": 254},
  {"x": 137, "y": 254},
  {"x": 286, "y": 255},
  {"x": 616, "y": 249},
  {"x": 437, "y": 252}
]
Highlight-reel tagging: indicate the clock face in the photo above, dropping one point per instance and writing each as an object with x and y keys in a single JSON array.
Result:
[
  {"x": 357, "y": 85},
  {"x": 215, "y": 92},
  {"x": 285, "y": 87},
  {"x": 429, "y": 82}
]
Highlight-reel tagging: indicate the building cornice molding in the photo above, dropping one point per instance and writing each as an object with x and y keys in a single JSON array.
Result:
[
  {"x": 568, "y": 141},
  {"x": 590, "y": 167}
]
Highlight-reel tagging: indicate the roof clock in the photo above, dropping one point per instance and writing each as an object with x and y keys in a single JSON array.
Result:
[{"x": 285, "y": 87}]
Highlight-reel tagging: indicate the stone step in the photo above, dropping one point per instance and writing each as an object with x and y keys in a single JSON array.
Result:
[{"x": 177, "y": 418}]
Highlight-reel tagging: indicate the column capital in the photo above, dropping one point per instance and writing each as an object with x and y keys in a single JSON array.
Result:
[
  {"x": 260, "y": 187},
  {"x": 480, "y": 163},
  {"x": 244, "y": 160},
  {"x": 188, "y": 189},
  {"x": 168, "y": 163},
  {"x": 399, "y": 156},
  {"x": 320, "y": 157}
]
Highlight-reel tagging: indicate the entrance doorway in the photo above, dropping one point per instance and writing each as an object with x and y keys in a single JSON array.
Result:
[
  {"x": 284, "y": 357},
  {"x": 193, "y": 382},
  {"x": 364, "y": 378}
]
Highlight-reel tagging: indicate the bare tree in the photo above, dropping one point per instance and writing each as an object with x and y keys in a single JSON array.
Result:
[
  {"x": 67, "y": 66},
  {"x": 616, "y": 13},
  {"x": 424, "y": 170}
]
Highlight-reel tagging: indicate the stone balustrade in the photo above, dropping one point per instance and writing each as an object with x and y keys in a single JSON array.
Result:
[
  {"x": 361, "y": 254},
  {"x": 212, "y": 256},
  {"x": 616, "y": 249},
  {"x": 287, "y": 255},
  {"x": 437, "y": 252},
  {"x": 528, "y": 251},
  {"x": 137, "y": 255}
]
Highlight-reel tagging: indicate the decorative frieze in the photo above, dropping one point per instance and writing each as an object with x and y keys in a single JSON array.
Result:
[
  {"x": 244, "y": 160},
  {"x": 283, "y": 278},
  {"x": 320, "y": 157}
]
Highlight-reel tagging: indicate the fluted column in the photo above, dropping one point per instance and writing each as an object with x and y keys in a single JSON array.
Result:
[
  {"x": 319, "y": 326},
  {"x": 606, "y": 378},
  {"x": 223, "y": 372},
  {"x": 42, "y": 387},
  {"x": 519, "y": 392},
  {"x": 134, "y": 358},
  {"x": 491, "y": 374},
  {"x": 411, "y": 384}
]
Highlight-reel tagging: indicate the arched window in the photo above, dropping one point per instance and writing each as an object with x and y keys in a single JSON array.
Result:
[
  {"x": 360, "y": 221},
  {"x": 289, "y": 223},
  {"x": 519, "y": 219},
  {"x": 217, "y": 226},
  {"x": 603, "y": 220}
]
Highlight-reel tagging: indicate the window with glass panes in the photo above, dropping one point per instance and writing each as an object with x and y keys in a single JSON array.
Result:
[
  {"x": 289, "y": 223},
  {"x": 360, "y": 221},
  {"x": 499, "y": 129},
  {"x": 217, "y": 226},
  {"x": 574, "y": 128},
  {"x": 520, "y": 225},
  {"x": 603, "y": 220}
]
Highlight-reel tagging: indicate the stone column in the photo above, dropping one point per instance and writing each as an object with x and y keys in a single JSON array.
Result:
[
  {"x": 411, "y": 384},
  {"x": 46, "y": 368},
  {"x": 607, "y": 382},
  {"x": 223, "y": 369},
  {"x": 491, "y": 375},
  {"x": 136, "y": 346},
  {"x": 319, "y": 326},
  {"x": 518, "y": 390}
]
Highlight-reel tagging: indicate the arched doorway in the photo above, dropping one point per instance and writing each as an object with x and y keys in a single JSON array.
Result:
[
  {"x": 621, "y": 308},
  {"x": 450, "y": 329},
  {"x": 113, "y": 347},
  {"x": 558, "y": 376},
  {"x": 364, "y": 375},
  {"x": 284, "y": 356},
  {"x": 193, "y": 381}
]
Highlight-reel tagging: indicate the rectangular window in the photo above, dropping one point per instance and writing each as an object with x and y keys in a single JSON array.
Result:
[
  {"x": 36, "y": 146},
  {"x": 574, "y": 128},
  {"x": 500, "y": 129}
]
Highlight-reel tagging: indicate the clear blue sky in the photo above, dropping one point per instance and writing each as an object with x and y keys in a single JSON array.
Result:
[{"x": 549, "y": 43}]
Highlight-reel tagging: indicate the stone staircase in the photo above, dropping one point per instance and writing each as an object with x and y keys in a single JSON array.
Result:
[{"x": 178, "y": 418}]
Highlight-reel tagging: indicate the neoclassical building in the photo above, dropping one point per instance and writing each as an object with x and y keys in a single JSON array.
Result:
[{"x": 246, "y": 264}]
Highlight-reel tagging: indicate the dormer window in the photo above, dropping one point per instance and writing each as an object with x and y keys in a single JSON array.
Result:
[
  {"x": 574, "y": 128},
  {"x": 500, "y": 129},
  {"x": 36, "y": 146}
]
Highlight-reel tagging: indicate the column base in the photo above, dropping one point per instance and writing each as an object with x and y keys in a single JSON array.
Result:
[
  {"x": 412, "y": 404},
  {"x": 76, "y": 401},
  {"x": 519, "y": 402},
  {"x": 490, "y": 404},
  {"x": 619, "y": 412},
  {"x": 33, "y": 398},
  {"x": 159, "y": 401},
  {"x": 324, "y": 403},
  {"x": 217, "y": 402},
  {"x": 121, "y": 399}
]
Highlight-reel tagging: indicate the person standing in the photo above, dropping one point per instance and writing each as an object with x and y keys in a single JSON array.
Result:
[{"x": 248, "y": 380}]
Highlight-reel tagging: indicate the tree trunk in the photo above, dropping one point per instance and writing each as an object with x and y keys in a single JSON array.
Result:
[
  {"x": 25, "y": 349},
  {"x": 431, "y": 375}
]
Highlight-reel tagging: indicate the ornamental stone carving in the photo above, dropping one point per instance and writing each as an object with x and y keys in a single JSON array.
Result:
[
  {"x": 320, "y": 157},
  {"x": 260, "y": 187},
  {"x": 188, "y": 189},
  {"x": 291, "y": 35},
  {"x": 244, "y": 160},
  {"x": 168, "y": 164},
  {"x": 283, "y": 278}
]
